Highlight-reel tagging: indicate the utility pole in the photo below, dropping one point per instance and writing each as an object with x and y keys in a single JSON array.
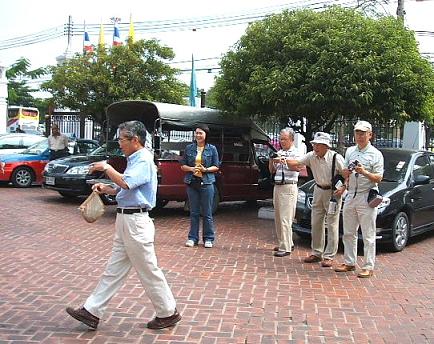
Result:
[{"x": 400, "y": 12}]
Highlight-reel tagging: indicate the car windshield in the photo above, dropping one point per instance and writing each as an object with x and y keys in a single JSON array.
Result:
[
  {"x": 37, "y": 148},
  {"x": 395, "y": 165},
  {"x": 109, "y": 148}
]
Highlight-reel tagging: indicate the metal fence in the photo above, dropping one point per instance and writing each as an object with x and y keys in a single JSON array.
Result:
[
  {"x": 71, "y": 124},
  {"x": 384, "y": 134}
]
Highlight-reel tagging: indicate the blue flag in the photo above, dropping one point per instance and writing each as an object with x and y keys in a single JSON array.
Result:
[{"x": 193, "y": 87}]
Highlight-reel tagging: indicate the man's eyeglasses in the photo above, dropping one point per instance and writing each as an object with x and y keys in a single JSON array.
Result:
[{"x": 122, "y": 139}]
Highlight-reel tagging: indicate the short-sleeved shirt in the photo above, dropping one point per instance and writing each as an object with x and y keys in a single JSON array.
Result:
[
  {"x": 372, "y": 161},
  {"x": 283, "y": 173},
  {"x": 322, "y": 167},
  {"x": 58, "y": 142},
  {"x": 141, "y": 178}
]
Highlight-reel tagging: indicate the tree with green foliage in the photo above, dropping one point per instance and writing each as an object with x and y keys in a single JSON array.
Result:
[
  {"x": 137, "y": 70},
  {"x": 323, "y": 66},
  {"x": 19, "y": 91}
]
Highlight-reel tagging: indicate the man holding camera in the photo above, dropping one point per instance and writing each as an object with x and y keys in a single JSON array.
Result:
[
  {"x": 364, "y": 170},
  {"x": 285, "y": 192}
]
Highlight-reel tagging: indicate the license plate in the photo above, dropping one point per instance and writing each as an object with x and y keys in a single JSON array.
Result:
[{"x": 50, "y": 180}]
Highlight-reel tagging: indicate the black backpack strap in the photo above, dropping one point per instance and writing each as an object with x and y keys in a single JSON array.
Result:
[{"x": 333, "y": 166}]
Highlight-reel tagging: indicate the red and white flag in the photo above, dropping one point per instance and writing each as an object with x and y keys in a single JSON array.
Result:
[
  {"x": 87, "y": 46},
  {"x": 116, "y": 36}
]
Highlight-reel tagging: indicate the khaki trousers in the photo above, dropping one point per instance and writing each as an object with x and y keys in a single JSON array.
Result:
[
  {"x": 320, "y": 205},
  {"x": 133, "y": 246},
  {"x": 357, "y": 212},
  {"x": 285, "y": 202}
]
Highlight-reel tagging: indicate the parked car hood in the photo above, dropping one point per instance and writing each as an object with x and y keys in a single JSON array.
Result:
[
  {"x": 7, "y": 158},
  {"x": 77, "y": 160}
]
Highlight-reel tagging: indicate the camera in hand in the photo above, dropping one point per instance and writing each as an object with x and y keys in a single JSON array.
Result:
[{"x": 352, "y": 165}]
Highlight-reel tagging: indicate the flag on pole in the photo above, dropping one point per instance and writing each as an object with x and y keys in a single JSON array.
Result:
[
  {"x": 131, "y": 33},
  {"x": 116, "y": 36},
  {"x": 101, "y": 40},
  {"x": 87, "y": 46},
  {"x": 193, "y": 86}
]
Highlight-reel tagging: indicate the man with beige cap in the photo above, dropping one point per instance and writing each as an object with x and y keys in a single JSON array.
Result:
[
  {"x": 364, "y": 166},
  {"x": 327, "y": 199}
]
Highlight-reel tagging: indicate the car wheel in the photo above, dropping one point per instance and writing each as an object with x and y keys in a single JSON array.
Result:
[
  {"x": 400, "y": 232},
  {"x": 22, "y": 177},
  {"x": 67, "y": 194},
  {"x": 108, "y": 199}
]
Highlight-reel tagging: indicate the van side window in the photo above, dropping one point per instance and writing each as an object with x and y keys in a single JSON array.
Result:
[
  {"x": 173, "y": 143},
  {"x": 235, "y": 150}
]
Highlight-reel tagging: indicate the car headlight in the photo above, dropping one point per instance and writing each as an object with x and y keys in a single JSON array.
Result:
[
  {"x": 47, "y": 167},
  {"x": 78, "y": 170},
  {"x": 383, "y": 205},
  {"x": 301, "y": 197}
]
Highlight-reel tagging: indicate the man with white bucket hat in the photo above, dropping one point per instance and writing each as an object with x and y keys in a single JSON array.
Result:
[{"x": 327, "y": 198}]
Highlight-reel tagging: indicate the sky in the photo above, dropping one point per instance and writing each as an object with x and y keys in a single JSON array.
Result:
[{"x": 21, "y": 18}]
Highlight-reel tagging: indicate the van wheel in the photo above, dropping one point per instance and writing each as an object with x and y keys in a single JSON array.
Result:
[
  {"x": 400, "y": 232},
  {"x": 161, "y": 203},
  {"x": 22, "y": 177},
  {"x": 67, "y": 194}
]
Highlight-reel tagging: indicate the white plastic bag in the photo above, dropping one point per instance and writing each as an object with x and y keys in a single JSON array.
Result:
[{"x": 92, "y": 208}]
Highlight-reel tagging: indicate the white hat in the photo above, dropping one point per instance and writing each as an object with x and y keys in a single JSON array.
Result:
[
  {"x": 363, "y": 126},
  {"x": 322, "y": 138}
]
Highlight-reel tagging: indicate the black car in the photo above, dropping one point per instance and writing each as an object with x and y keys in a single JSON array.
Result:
[
  {"x": 408, "y": 204},
  {"x": 69, "y": 176}
]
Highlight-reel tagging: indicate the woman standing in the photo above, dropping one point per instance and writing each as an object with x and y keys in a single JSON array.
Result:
[{"x": 200, "y": 161}]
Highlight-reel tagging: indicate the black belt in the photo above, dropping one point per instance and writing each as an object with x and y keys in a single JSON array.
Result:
[
  {"x": 131, "y": 210},
  {"x": 327, "y": 187},
  {"x": 287, "y": 182}
]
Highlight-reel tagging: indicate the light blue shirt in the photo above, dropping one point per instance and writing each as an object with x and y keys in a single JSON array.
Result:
[
  {"x": 371, "y": 159},
  {"x": 141, "y": 178}
]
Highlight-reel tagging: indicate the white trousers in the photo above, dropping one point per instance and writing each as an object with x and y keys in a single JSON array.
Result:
[
  {"x": 285, "y": 202},
  {"x": 133, "y": 245},
  {"x": 357, "y": 212},
  {"x": 320, "y": 206}
]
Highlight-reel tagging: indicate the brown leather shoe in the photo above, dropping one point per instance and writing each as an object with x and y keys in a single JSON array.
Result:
[
  {"x": 327, "y": 263},
  {"x": 345, "y": 268},
  {"x": 312, "y": 259},
  {"x": 81, "y": 314},
  {"x": 365, "y": 273},
  {"x": 159, "y": 323}
]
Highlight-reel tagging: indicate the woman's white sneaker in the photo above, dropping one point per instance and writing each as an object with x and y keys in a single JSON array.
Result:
[
  {"x": 208, "y": 244},
  {"x": 189, "y": 243}
]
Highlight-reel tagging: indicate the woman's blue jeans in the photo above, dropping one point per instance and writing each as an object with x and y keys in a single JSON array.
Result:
[{"x": 202, "y": 198}]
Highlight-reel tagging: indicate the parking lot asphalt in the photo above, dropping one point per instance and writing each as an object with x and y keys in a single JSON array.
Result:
[{"x": 236, "y": 292}]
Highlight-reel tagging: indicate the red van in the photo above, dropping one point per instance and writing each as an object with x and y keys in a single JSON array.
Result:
[{"x": 243, "y": 148}]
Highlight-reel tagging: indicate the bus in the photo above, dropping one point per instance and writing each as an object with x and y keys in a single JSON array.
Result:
[{"x": 21, "y": 118}]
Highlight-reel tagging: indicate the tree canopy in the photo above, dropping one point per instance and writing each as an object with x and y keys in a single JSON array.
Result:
[
  {"x": 324, "y": 65},
  {"x": 137, "y": 70},
  {"x": 19, "y": 92}
]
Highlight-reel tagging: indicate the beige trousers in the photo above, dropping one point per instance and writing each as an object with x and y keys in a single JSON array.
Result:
[
  {"x": 320, "y": 216},
  {"x": 285, "y": 202},
  {"x": 357, "y": 213},
  {"x": 133, "y": 246}
]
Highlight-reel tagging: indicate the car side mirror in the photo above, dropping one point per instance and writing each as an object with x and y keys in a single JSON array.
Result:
[{"x": 421, "y": 180}]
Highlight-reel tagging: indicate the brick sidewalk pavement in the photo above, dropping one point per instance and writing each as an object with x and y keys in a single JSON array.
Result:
[{"x": 236, "y": 292}]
